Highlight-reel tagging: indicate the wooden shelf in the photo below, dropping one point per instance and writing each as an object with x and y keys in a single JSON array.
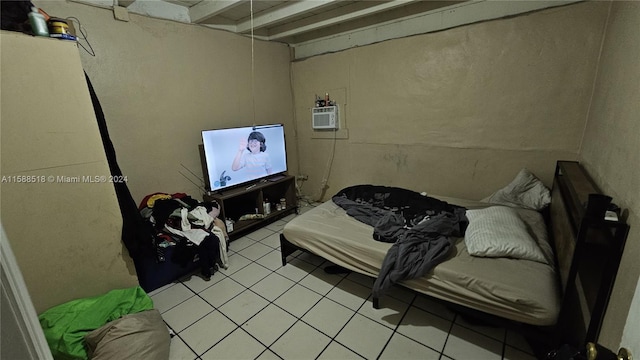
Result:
[{"x": 249, "y": 199}]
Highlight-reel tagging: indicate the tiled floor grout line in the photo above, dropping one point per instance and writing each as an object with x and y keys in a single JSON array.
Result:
[
  {"x": 217, "y": 308},
  {"x": 187, "y": 344},
  {"x": 323, "y": 296},
  {"x": 176, "y": 305},
  {"x": 298, "y": 319},
  {"x": 239, "y": 326},
  {"x": 504, "y": 345},
  {"x": 333, "y": 338},
  {"x": 214, "y": 308},
  {"x": 395, "y": 329},
  {"x": 356, "y": 312},
  {"x": 444, "y": 345}
]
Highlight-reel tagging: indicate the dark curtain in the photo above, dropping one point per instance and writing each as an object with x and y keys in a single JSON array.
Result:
[
  {"x": 136, "y": 233},
  {"x": 15, "y": 15}
]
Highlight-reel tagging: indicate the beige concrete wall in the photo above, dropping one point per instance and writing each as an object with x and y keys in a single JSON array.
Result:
[
  {"x": 161, "y": 83},
  {"x": 65, "y": 232},
  {"x": 457, "y": 112},
  {"x": 610, "y": 151}
]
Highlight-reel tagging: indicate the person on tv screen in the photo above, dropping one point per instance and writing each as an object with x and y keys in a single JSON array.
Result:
[{"x": 255, "y": 161}]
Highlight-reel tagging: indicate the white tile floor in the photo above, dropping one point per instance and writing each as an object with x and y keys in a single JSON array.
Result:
[{"x": 258, "y": 309}]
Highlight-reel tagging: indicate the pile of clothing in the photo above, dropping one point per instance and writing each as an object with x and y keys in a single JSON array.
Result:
[
  {"x": 420, "y": 227},
  {"x": 191, "y": 226}
]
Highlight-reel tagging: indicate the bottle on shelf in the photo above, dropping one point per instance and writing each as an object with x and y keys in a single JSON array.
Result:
[
  {"x": 38, "y": 23},
  {"x": 267, "y": 207}
]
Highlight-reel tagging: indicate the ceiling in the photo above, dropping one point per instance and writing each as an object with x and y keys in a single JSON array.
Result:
[
  {"x": 313, "y": 27},
  {"x": 300, "y": 21}
]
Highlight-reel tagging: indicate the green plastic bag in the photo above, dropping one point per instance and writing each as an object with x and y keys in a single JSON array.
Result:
[{"x": 66, "y": 325}]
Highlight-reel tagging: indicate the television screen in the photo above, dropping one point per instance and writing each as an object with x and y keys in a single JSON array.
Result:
[{"x": 240, "y": 155}]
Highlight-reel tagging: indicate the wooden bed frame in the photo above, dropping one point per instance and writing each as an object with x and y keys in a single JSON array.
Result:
[{"x": 587, "y": 251}]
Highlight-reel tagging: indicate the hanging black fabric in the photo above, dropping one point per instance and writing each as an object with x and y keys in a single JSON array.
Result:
[
  {"x": 137, "y": 236},
  {"x": 15, "y": 15}
]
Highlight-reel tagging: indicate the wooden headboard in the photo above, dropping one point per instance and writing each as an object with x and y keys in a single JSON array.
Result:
[{"x": 588, "y": 253}]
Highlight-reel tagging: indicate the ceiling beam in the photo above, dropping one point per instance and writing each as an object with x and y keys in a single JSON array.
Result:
[
  {"x": 444, "y": 18},
  {"x": 210, "y": 8},
  {"x": 107, "y": 4},
  {"x": 295, "y": 9},
  {"x": 341, "y": 19},
  {"x": 160, "y": 10}
]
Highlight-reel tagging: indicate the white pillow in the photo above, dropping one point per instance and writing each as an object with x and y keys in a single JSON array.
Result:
[
  {"x": 498, "y": 231},
  {"x": 525, "y": 191}
]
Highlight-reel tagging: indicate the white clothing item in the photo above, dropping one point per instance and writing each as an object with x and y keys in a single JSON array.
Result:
[
  {"x": 224, "y": 259},
  {"x": 184, "y": 223},
  {"x": 194, "y": 235},
  {"x": 201, "y": 217}
]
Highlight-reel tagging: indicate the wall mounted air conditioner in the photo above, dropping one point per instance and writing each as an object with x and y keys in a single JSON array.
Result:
[{"x": 324, "y": 118}]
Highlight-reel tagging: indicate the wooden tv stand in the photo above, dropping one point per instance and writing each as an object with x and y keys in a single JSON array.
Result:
[{"x": 245, "y": 199}]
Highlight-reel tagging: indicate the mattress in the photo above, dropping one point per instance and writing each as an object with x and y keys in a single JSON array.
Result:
[{"x": 520, "y": 290}]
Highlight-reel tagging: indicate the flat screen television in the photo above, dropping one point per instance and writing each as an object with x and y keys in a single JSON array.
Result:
[{"x": 241, "y": 155}]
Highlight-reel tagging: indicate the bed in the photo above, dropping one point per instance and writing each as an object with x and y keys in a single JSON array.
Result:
[{"x": 502, "y": 287}]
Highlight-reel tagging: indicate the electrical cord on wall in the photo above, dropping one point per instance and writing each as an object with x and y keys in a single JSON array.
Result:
[
  {"x": 327, "y": 171},
  {"x": 82, "y": 31},
  {"x": 301, "y": 197}
]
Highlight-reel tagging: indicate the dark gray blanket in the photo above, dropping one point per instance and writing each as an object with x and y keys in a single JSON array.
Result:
[{"x": 420, "y": 228}]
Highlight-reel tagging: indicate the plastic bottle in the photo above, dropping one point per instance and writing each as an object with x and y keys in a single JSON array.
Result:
[
  {"x": 38, "y": 23},
  {"x": 267, "y": 207}
]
